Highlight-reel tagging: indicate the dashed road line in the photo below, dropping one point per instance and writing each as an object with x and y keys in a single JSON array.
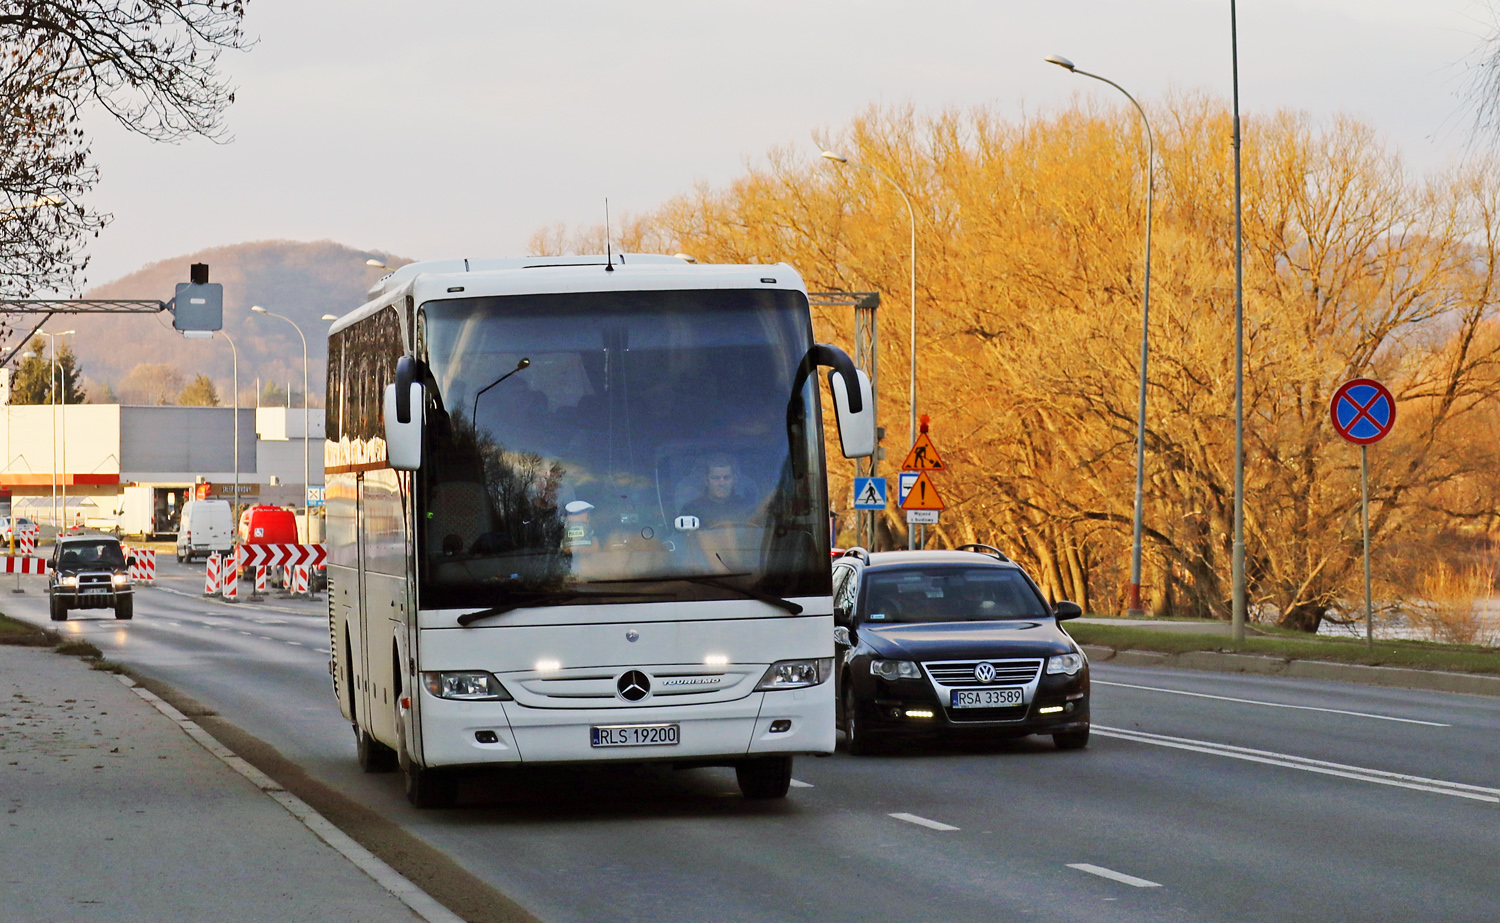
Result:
[
  {"x": 798, "y": 783},
  {"x": 1113, "y": 875},
  {"x": 1225, "y": 698},
  {"x": 1322, "y": 767},
  {"x": 923, "y": 822}
]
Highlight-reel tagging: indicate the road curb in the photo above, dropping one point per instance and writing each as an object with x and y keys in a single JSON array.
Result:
[
  {"x": 1225, "y": 662},
  {"x": 400, "y": 887}
]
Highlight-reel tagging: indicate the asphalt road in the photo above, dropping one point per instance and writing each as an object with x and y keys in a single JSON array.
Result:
[{"x": 1202, "y": 797}]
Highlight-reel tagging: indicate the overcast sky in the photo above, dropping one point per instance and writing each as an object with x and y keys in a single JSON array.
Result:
[{"x": 456, "y": 128}]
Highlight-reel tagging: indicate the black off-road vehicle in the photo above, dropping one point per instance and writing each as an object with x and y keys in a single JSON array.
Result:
[{"x": 90, "y": 572}]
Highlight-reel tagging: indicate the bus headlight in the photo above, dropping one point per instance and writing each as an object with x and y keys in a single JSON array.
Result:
[
  {"x": 895, "y": 669},
  {"x": 465, "y": 685},
  {"x": 796, "y": 674},
  {"x": 1065, "y": 663}
]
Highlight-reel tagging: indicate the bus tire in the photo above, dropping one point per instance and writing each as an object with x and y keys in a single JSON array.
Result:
[
  {"x": 374, "y": 756},
  {"x": 429, "y": 788},
  {"x": 765, "y": 777}
]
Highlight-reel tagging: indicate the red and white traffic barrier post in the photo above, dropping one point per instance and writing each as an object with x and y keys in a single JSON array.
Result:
[
  {"x": 300, "y": 575},
  {"x": 231, "y": 576},
  {"x": 211, "y": 581},
  {"x": 260, "y": 579},
  {"x": 144, "y": 568}
]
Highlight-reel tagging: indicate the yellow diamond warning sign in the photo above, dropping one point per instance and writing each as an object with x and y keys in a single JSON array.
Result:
[
  {"x": 923, "y": 495},
  {"x": 923, "y": 455}
]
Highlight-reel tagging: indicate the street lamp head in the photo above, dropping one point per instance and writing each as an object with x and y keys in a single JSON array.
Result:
[
  {"x": 377, "y": 264},
  {"x": 28, "y": 354},
  {"x": 836, "y": 158},
  {"x": 258, "y": 309},
  {"x": 330, "y": 317},
  {"x": 1060, "y": 61}
]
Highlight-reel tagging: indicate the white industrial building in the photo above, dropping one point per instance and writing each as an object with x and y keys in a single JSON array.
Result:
[{"x": 72, "y": 465}]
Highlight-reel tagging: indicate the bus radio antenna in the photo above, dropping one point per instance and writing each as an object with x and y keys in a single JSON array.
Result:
[{"x": 609, "y": 256}]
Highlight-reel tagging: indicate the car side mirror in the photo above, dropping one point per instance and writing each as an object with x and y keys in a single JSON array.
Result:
[
  {"x": 130, "y": 561},
  {"x": 841, "y": 636},
  {"x": 1066, "y": 610}
]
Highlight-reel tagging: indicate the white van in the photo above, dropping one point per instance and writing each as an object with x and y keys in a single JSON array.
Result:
[{"x": 206, "y": 528}]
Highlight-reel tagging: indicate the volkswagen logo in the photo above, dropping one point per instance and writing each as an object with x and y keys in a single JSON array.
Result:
[
  {"x": 635, "y": 685},
  {"x": 984, "y": 672}
]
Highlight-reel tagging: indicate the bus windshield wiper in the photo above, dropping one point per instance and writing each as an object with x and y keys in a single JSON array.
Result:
[
  {"x": 718, "y": 582},
  {"x": 523, "y": 600}
]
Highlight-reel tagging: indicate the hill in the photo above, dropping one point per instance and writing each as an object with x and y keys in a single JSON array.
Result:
[{"x": 302, "y": 281}]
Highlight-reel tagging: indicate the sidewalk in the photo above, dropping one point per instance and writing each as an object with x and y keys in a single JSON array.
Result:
[{"x": 113, "y": 813}]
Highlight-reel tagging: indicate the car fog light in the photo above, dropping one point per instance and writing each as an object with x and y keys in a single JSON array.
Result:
[
  {"x": 1049, "y": 710},
  {"x": 486, "y": 737},
  {"x": 919, "y": 713},
  {"x": 781, "y": 726}
]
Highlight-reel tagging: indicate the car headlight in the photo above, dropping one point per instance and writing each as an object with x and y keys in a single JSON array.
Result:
[
  {"x": 796, "y": 674},
  {"x": 69, "y": 580},
  {"x": 122, "y": 580},
  {"x": 465, "y": 685},
  {"x": 1065, "y": 663},
  {"x": 895, "y": 669}
]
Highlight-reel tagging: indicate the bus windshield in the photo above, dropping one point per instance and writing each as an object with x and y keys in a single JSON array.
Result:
[{"x": 643, "y": 443}]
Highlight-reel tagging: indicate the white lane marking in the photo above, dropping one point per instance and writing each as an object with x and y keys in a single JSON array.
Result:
[
  {"x": 1225, "y": 698},
  {"x": 1271, "y": 758},
  {"x": 922, "y": 822},
  {"x": 1113, "y": 875},
  {"x": 798, "y": 783},
  {"x": 299, "y": 644}
]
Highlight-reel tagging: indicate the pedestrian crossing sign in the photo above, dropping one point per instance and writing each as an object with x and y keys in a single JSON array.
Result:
[{"x": 869, "y": 493}]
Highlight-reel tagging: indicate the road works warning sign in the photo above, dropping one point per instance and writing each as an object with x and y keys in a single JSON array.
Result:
[{"x": 923, "y": 455}]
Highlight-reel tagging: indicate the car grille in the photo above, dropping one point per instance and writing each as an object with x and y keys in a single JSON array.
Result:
[
  {"x": 1011, "y": 713},
  {"x": 958, "y": 674}
]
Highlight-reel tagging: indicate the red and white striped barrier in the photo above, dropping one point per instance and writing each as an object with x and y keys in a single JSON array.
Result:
[
  {"x": 283, "y": 555},
  {"x": 260, "y": 579},
  {"x": 229, "y": 574},
  {"x": 211, "y": 583},
  {"x": 26, "y": 540},
  {"x": 299, "y": 575},
  {"x": 144, "y": 568},
  {"x": 20, "y": 565}
]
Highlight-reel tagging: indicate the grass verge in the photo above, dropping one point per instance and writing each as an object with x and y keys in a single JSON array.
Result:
[
  {"x": 1419, "y": 655},
  {"x": 24, "y": 635}
]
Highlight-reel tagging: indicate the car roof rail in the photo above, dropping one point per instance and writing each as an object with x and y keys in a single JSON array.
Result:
[
  {"x": 857, "y": 552},
  {"x": 983, "y": 549}
]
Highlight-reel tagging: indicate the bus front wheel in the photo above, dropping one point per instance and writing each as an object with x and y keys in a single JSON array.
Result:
[
  {"x": 428, "y": 788},
  {"x": 765, "y": 777}
]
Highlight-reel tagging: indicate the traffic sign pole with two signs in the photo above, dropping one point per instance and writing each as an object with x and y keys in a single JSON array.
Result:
[{"x": 1364, "y": 412}]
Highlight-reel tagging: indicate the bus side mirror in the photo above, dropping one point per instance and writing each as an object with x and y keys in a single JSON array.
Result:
[
  {"x": 856, "y": 428},
  {"x": 403, "y": 440}
]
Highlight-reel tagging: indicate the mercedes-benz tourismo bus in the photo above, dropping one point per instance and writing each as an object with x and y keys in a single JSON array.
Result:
[{"x": 577, "y": 512}]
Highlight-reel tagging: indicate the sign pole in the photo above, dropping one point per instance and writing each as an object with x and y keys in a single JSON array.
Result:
[{"x": 1364, "y": 515}]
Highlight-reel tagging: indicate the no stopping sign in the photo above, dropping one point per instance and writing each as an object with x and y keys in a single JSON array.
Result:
[{"x": 1363, "y": 411}]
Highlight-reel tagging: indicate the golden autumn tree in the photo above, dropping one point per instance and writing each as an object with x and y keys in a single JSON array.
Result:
[{"x": 1029, "y": 278}]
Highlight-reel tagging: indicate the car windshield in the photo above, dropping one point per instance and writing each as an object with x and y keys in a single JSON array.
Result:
[
  {"x": 91, "y": 554},
  {"x": 949, "y": 594},
  {"x": 639, "y": 440}
]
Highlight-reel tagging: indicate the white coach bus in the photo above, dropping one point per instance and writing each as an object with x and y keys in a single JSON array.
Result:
[{"x": 577, "y": 512}]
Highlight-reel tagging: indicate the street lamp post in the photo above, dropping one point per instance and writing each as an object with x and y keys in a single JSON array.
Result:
[
  {"x": 306, "y": 426},
  {"x": 59, "y": 479},
  {"x": 1135, "y": 608},
  {"x": 911, "y": 535},
  {"x": 1238, "y": 608}
]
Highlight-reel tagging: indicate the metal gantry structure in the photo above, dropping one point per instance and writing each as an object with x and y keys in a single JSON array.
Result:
[
  {"x": 866, "y": 357},
  {"x": 48, "y": 307}
]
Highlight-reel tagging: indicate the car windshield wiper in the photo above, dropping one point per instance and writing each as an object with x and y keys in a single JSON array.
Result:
[{"x": 524, "y": 600}]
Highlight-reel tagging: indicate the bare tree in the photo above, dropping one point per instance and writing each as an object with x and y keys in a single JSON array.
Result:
[{"x": 151, "y": 64}]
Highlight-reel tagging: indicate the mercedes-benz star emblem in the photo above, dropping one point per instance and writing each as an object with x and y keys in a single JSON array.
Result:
[
  {"x": 985, "y": 672},
  {"x": 633, "y": 685},
  {"x": 632, "y": 636}
]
